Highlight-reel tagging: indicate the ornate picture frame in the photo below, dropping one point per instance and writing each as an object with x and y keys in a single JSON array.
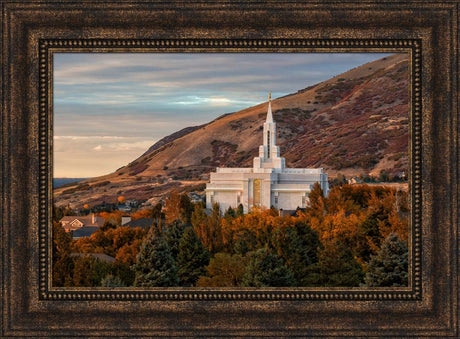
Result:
[{"x": 33, "y": 30}]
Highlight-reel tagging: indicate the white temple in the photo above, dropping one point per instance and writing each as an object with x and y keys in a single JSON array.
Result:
[{"x": 268, "y": 183}]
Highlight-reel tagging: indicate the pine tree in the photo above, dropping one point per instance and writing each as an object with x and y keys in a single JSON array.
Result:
[
  {"x": 240, "y": 210},
  {"x": 173, "y": 234},
  {"x": 155, "y": 265},
  {"x": 336, "y": 267},
  {"x": 298, "y": 247},
  {"x": 267, "y": 269},
  {"x": 230, "y": 213},
  {"x": 192, "y": 258},
  {"x": 112, "y": 281},
  {"x": 390, "y": 266}
]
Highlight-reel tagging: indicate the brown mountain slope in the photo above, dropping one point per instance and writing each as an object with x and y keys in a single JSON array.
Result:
[{"x": 354, "y": 123}]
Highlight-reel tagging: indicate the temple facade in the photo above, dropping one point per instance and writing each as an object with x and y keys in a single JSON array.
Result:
[{"x": 268, "y": 183}]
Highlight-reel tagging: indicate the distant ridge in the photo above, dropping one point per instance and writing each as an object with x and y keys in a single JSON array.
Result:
[{"x": 58, "y": 182}]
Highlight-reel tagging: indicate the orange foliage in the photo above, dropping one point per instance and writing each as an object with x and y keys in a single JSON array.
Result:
[{"x": 113, "y": 217}]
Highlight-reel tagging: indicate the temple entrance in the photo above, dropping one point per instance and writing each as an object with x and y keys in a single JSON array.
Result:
[{"x": 257, "y": 192}]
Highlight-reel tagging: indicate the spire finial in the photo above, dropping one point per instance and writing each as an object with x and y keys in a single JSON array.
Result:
[{"x": 269, "y": 112}]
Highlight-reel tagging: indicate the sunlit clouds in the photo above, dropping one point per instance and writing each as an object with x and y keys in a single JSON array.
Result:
[{"x": 109, "y": 108}]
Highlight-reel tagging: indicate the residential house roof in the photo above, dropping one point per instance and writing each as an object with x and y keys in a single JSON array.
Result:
[
  {"x": 142, "y": 222},
  {"x": 86, "y": 220},
  {"x": 84, "y": 231}
]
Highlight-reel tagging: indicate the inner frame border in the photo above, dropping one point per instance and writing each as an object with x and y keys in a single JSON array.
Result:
[{"x": 49, "y": 46}]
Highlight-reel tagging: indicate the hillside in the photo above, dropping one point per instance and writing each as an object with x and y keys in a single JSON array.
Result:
[{"x": 355, "y": 123}]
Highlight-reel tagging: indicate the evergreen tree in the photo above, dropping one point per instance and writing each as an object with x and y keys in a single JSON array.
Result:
[
  {"x": 155, "y": 265},
  {"x": 267, "y": 269},
  {"x": 298, "y": 247},
  {"x": 390, "y": 266},
  {"x": 192, "y": 258},
  {"x": 186, "y": 208},
  {"x": 240, "y": 210},
  {"x": 173, "y": 234},
  {"x": 112, "y": 281},
  {"x": 89, "y": 271},
  {"x": 230, "y": 213}
]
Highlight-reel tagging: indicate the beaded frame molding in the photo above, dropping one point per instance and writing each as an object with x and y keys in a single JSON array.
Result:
[{"x": 33, "y": 30}]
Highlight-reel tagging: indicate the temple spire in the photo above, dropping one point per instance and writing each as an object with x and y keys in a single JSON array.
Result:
[{"x": 269, "y": 111}]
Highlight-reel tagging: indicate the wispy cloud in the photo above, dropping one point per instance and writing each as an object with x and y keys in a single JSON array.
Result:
[{"x": 106, "y": 103}]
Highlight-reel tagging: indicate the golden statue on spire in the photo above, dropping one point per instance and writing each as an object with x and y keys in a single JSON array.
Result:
[{"x": 269, "y": 95}]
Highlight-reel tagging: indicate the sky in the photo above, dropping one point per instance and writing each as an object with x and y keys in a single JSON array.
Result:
[{"x": 109, "y": 108}]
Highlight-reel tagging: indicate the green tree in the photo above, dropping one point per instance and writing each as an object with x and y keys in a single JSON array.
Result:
[
  {"x": 155, "y": 265},
  {"x": 62, "y": 262},
  {"x": 390, "y": 266},
  {"x": 89, "y": 271},
  {"x": 112, "y": 281},
  {"x": 230, "y": 213},
  {"x": 61, "y": 211},
  {"x": 192, "y": 258},
  {"x": 298, "y": 246},
  {"x": 186, "y": 208},
  {"x": 336, "y": 267},
  {"x": 267, "y": 269},
  {"x": 240, "y": 210},
  {"x": 224, "y": 270},
  {"x": 173, "y": 234}
]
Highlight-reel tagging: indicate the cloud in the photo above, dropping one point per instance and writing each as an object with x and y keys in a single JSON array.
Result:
[{"x": 106, "y": 103}]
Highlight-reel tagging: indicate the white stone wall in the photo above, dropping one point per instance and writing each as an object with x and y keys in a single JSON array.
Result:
[{"x": 289, "y": 200}]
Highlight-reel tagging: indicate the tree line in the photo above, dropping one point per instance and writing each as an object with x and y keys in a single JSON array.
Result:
[{"x": 357, "y": 236}]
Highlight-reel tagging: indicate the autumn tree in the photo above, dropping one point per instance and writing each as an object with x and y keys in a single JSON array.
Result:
[
  {"x": 152, "y": 212},
  {"x": 267, "y": 269},
  {"x": 208, "y": 228},
  {"x": 390, "y": 266},
  {"x": 192, "y": 258},
  {"x": 178, "y": 206},
  {"x": 215, "y": 229},
  {"x": 155, "y": 265},
  {"x": 199, "y": 223},
  {"x": 317, "y": 205},
  {"x": 224, "y": 270}
]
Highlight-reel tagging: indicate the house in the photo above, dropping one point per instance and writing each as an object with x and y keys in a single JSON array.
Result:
[
  {"x": 354, "y": 180},
  {"x": 73, "y": 222},
  {"x": 268, "y": 183},
  {"x": 195, "y": 197},
  {"x": 124, "y": 208}
]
